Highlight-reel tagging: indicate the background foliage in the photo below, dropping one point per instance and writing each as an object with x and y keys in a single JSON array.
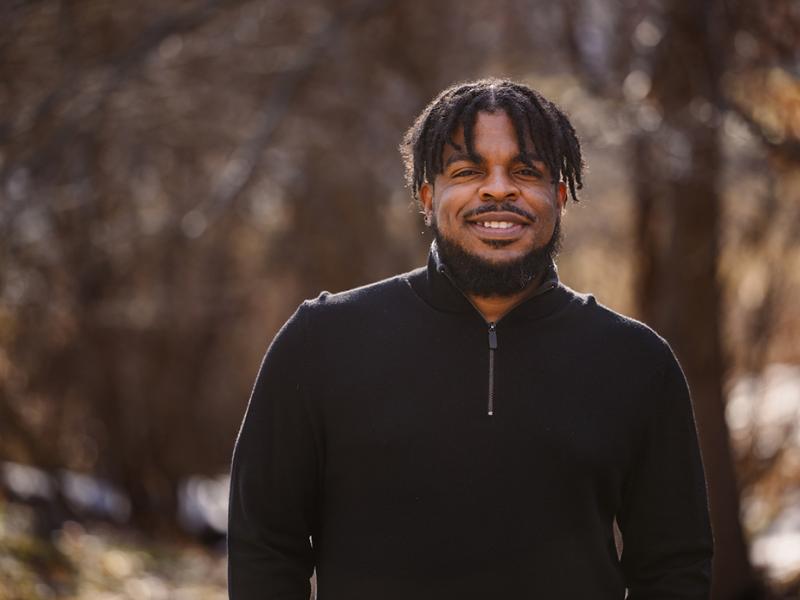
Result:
[{"x": 176, "y": 177}]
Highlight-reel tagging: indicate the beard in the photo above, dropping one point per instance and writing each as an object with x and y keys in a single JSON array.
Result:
[{"x": 479, "y": 277}]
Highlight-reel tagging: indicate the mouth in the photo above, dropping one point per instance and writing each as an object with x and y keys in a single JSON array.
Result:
[{"x": 498, "y": 225}]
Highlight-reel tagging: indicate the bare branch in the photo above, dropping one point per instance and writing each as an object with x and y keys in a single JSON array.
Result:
[
  {"x": 787, "y": 148},
  {"x": 122, "y": 67},
  {"x": 240, "y": 170}
]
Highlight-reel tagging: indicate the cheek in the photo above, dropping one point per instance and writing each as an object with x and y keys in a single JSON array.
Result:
[
  {"x": 448, "y": 206},
  {"x": 544, "y": 203}
]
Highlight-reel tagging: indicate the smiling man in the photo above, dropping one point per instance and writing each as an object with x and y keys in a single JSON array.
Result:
[{"x": 474, "y": 428}]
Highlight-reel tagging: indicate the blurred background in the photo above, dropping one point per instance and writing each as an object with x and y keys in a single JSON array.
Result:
[{"x": 175, "y": 177}]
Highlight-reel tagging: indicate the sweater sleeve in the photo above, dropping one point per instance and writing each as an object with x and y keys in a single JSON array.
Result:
[
  {"x": 664, "y": 518},
  {"x": 274, "y": 479}
]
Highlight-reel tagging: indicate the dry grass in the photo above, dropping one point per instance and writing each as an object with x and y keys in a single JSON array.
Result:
[{"x": 101, "y": 563}]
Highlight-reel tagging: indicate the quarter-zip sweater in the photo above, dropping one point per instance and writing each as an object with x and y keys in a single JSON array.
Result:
[{"x": 406, "y": 449}]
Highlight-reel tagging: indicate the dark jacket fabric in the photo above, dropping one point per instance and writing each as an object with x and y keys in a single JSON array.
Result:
[{"x": 368, "y": 453}]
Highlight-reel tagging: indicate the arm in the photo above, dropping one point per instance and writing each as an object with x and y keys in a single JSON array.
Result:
[
  {"x": 274, "y": 479},
  {"x": 664, "y": 520}
]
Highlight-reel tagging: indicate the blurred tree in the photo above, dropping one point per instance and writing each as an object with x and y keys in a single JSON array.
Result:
[
  {"x": 677, "y": 165},
  {"x": 113, "y": 312}
]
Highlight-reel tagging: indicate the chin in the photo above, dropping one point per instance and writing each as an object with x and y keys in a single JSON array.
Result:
[
  {"x": 483, "y": 270},
  {"x": 500, "y": 251}
]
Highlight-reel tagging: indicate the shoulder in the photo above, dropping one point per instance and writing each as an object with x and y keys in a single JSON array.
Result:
[
  {"x": 622, "y": 335},
  {"x": 373, "y": 295},
  {"x": 379, "y": 297}
]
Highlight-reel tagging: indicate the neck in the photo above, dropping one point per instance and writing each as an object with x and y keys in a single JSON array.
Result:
[{"x": 494, "y": 308}]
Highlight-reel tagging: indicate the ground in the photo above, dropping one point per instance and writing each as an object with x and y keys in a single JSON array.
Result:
[{"x": 99, "y": 562}]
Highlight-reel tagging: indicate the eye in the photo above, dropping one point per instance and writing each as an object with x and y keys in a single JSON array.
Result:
[
  {"x": 528, "y": 172},
  {"x": 465, "y": 173}
]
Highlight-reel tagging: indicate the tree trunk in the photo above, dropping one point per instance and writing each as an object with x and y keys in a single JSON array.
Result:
[{"x": 676, "y": 169}]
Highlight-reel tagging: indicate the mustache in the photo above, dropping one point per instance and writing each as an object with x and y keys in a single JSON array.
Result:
[{"x": 501, "y": 207}]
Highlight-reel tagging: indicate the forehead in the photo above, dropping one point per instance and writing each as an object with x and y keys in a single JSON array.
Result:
[{"x": 492, "y": 133}]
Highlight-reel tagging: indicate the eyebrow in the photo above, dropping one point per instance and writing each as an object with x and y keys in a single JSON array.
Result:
[
  {"x": 529, "y": 156},
  {"x": 461, "y": 156}
]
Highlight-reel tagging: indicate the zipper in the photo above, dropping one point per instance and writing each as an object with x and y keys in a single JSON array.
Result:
[
  {"x": 492, "y": 336},
  {"x": 492, "y": 348},
  {"x": 492, "y": 344}
]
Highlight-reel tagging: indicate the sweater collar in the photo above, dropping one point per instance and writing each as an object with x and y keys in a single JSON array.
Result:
[{"x": 436, "y": 287}]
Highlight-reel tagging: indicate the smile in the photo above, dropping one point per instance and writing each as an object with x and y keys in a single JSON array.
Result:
[
  {"x": 497, "y": 229},
  {"x": 496, "y": 224}
]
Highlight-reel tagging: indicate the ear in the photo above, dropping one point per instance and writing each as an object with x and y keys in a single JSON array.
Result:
[
  {"x": 426, "y": 196},
  {"x": 561, "y": 196}
]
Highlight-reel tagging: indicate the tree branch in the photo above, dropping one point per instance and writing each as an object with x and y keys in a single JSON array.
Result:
[
  {"x": 788, "y": 148},
  {"x": 241, "y": 168},
  {"x": 122, "y": 67}
]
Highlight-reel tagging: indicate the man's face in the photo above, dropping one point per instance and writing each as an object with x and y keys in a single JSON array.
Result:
[{"x": 497, "y": 210}]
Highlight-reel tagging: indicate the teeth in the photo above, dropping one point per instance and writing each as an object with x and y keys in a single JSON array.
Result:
[{"x": 497, "y": 224}]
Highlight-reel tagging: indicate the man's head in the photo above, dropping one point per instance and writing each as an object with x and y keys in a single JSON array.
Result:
[{"x": 491, "y": 163}]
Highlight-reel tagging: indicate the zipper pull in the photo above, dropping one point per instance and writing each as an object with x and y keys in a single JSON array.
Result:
[{"x": 492, "y": 348}]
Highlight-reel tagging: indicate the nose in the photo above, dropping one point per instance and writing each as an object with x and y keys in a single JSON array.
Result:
[{"x": 498, "y": 186}]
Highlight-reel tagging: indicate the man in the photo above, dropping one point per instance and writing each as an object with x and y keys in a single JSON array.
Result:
[{"x": 474, "y": 428}]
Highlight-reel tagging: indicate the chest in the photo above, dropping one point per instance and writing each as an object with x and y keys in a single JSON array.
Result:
[{"x": 410, "y": 410}]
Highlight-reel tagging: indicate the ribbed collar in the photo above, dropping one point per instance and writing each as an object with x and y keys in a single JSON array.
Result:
[{"x": 436, "y": 287}]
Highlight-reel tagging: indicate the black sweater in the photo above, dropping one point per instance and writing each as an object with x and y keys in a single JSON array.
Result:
[{"x": 367, "y": 452}]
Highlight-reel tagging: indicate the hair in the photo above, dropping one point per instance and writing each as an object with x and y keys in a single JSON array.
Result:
[{"x": 534, "y": 118}]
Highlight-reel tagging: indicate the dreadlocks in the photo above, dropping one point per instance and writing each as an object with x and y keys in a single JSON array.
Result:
[{"x": 534, "y": 118}]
